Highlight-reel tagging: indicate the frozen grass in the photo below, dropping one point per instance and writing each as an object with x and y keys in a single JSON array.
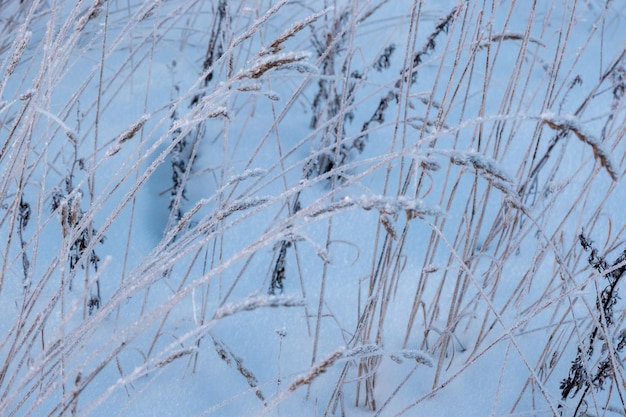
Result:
[{"x": 311, "y": 208}]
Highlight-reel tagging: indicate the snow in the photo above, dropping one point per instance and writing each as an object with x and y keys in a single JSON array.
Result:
[{"x": 257, "y": 208}]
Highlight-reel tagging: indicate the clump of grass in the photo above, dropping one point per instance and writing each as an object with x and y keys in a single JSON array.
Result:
[
  {"x": 334, "y": 103},
  {"x": 370, "y": 176},
  {"x": 408, "y": 76},
  {"x": 23, "y": 217},
  {"x": 277, "y": 285},
  {"x": 584, "y": 374},
  {"x": 81, "y": 235}
]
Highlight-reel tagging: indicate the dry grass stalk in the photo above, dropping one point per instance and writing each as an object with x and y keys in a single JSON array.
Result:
[
  {"x": 276, "y": 46},
  {"x": 257, "y": 301},
  {"x": 17, "y": 53},
  {"x": 568, "y": 123},
  {"x": 90, "y": 14},
  {"x": 385, "y": 205},
  {"x": 281, "y": 61},
  {"x": 317, "y": 370},
  {"x": 229, "y": 357},
  {"x": 455, "y": 278}
]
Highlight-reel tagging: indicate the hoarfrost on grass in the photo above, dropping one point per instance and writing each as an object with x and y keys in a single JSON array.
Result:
[
  {"x": 271, "y": 134},
  {"x": 258, "y": 301}
]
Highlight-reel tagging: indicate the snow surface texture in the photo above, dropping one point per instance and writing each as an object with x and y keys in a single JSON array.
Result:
[{"x": 320, "y": 208}]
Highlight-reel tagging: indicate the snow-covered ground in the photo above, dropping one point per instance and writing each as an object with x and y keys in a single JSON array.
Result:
[{"x": 321, "y": 208}]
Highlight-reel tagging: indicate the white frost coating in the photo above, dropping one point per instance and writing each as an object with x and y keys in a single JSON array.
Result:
[
  {"x": 301, "y": 67},
  {"x": 27, "y": 94},
  {"x": 209, "y": 112},
  {"x": 428, "y": 162},
  {"x": 241, "y": 204},
  {"x": 481, "y": 163},
  {"x": 292, "y": 30},
  {"x": 69, "y": 132},
  {"x": 272, "y": 95},
  {"x": 285, "y": 60},
  {"x": 364, "y": 351},
  {"x": 17, "y": 54},
  {"x": 572, "y": 123},
  {"x": 257, "y": 301},
  {"x": 486, "y": 167},
  {"x": 249, "y": 173},
  {"x": 131, "y": 131},
  {"x": 419, "y": 356},
  {"x": 214, "y": 111},
  {"x": 250, "y": 87},
  {"x": 385, "y": 205}
]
